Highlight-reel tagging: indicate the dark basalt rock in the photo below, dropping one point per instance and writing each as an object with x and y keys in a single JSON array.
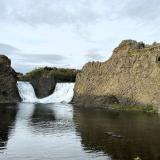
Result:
[
  {"x": 8, "y": 79},
  {"x": 43, "y": 86},
  {"x": 95, "y": 101}
]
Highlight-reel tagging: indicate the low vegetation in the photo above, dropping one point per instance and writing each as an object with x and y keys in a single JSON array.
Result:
[
  {"x": 59, "y": 74},
  {"x": 146, "y": 109},
  {"x": 146, "y": 50}
]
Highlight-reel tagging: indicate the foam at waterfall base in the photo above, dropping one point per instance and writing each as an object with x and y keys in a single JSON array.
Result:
[{"x": 63, "y": 93}]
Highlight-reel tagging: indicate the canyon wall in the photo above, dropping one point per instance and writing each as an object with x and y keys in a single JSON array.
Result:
[{"x": 130, "y": 77}]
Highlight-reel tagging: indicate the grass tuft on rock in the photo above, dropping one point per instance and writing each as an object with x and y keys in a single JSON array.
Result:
[{"x": 146, "y": 109}]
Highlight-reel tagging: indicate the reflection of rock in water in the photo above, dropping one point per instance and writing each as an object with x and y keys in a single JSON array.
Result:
[
  {"x": 123, "y": 136},
  {"x": 7, "y": 119},
  {"x": 51, "y": 118},
  {"x": 42, "y": 117},
  {"x": 42, "y": 113}
]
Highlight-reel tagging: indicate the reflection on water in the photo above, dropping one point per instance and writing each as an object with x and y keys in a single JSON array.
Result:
[
  {"x": 60, "y": 131},
  {"x": 7, "y": 118},
  {"x": 44, "y": 131},
  {"x": 42, "y": 119},
  {"x": 123, "y": 136},
  {"x": 51, "y": 119}
]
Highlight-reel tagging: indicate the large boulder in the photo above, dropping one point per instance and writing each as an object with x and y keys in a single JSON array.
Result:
[
  {"x": 130, "y": 77},
  {"x": 8, "y": 89},
  {"x": 43, "y": 85}
]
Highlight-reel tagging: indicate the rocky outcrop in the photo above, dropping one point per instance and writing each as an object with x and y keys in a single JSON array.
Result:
[
  {"x": 130, "y": 77},
  {"x": 42, "y": 84},
  {"x": 8, "y": 80},
  {"x": 44, "y": 79}
]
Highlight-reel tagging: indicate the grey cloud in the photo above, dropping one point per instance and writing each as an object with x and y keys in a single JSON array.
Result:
[
  {"x": 94, "y": 55},
  {"x": 24, "y": 61},
  {"x": 8, "y": 49},
  {"x": 38, "y": 58},
  {"x": 48, "y": 11},
  {"x": 30, "y": 57},
  {"x": 60, "y": 12},
  {"x": 142, "y": 10}
]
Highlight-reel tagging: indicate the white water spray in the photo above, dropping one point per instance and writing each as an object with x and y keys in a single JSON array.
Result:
[{"x": 63, "y": 93}]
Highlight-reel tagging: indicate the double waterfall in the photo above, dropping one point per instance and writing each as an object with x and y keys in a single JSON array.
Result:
[{"x": 62, "y": 93}]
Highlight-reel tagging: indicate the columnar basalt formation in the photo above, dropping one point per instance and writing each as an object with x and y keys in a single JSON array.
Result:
[
  {"x": 130, "y": 77},
  {"x": 8, "y": 80}
]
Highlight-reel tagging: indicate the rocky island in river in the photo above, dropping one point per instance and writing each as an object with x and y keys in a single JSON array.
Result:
[{"x": 44, "y": 79}]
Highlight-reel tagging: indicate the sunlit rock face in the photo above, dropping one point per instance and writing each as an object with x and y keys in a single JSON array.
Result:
[
  {"x": 131, "y": 77},
  {"x": 8, "y": 80}
]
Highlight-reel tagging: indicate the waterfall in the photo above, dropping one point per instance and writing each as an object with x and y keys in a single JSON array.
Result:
[
  {"x": 63, "y": 93},
  {"x": 26, "y": 91}
]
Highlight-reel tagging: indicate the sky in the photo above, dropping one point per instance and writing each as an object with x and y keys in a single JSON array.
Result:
[{"x": 69, "y": 33}]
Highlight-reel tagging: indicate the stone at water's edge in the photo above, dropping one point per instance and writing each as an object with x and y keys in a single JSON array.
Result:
[
  {"x": 130, "y": 77},
  {"x": 8, "y": 80}
]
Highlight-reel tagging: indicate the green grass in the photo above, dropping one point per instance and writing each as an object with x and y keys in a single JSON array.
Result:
[
  {"x": 146, "y": 50},
  {"x": 139, "y": 51},
  {"x": 146, "y": 109}
]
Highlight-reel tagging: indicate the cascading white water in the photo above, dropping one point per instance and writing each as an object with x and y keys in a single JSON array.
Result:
[
  {"x": 63, "y": 93},
  {"x": 26, "y": 92}
]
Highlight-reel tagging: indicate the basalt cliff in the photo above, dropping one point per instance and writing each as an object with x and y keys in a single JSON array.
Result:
[
  {"x": 8, "y": 79},
  {"x": 130, "y": 77}
]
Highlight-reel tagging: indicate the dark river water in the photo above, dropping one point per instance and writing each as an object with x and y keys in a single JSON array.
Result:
[{"x": 64, "y": 132}]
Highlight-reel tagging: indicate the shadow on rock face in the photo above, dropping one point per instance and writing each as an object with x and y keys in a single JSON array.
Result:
[
  {"x": 7, "y": 122},
  {"x": 123, "y": 136}
]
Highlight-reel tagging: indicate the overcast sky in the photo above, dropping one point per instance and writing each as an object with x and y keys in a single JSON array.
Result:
[{"x": 68, "y": 33}]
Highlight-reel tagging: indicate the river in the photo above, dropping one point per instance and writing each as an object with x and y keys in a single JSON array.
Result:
[{"x": 31, "y": 131}]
